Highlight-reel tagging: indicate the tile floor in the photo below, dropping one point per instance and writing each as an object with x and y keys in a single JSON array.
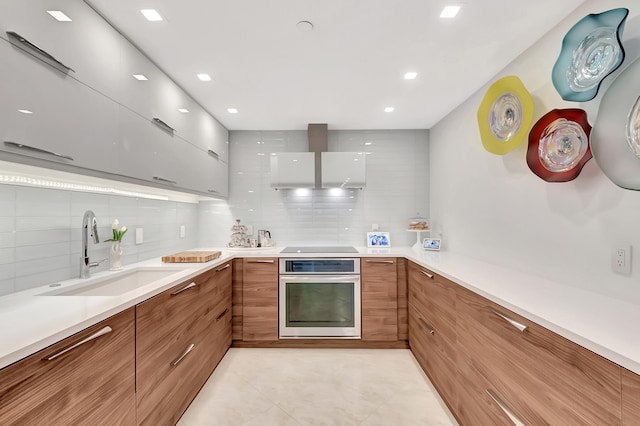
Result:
[{"x": 342, "y": 387}]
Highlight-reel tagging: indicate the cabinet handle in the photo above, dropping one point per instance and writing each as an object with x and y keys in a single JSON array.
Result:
[
  {"x": 261, "y": 261},
  {"x": 427, "y": 326},
  {"x": 521, "y": 327},
  {"x": 213, "y": 153},
  {"x": 163, "y": 180},
  {"x": 504, "y": 408},
  {"x": 41, "y": 51},
  {"x": 39, "y": 150},
  {"x": 379, "y": 261},
  {"x": 95, "y": 335},
  {"x": 223, "y": 268},
  {"x": 183, "y": 354},
  {"x": 164, "y": 125},
  {"x": 185, "y": 288},
  {"x": 219, "y": 317},
  {"x": 427, "y": 274}
]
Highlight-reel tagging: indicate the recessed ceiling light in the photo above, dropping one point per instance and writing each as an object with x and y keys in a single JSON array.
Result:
[
  {"x": 25, "y": 111},
  {"x": 151, "y": 15},
  {"x": 411, "y": 75},
  {"x": 59, "y": 15},
  {"x": 389, "y": 109},
  {"x": 232, "y": 110},
  {"x": 368, "y": 143},
  {"x": 449, "y": 11},
  {"x": 204, "y": 77},
  {"x": 183, "y": 110},
  {"x": 140, "y": 77}
]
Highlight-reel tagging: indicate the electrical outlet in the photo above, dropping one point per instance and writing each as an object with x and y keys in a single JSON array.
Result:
[
  {"x": 139, "y": 236},
  {"x": 182, "y": 231},
  {"x": 621, "y": 259}
]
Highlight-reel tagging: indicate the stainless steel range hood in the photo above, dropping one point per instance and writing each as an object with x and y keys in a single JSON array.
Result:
[{"x": 318, "y": 168}]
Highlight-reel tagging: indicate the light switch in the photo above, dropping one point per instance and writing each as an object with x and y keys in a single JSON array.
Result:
[
  {"x": 139, "y": 236},
  {"x": 182, "y": 231}
]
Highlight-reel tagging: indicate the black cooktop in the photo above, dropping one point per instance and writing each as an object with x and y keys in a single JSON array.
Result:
[{"x": 318, "y": 249}]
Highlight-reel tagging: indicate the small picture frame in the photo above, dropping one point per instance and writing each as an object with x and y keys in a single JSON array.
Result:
[
  {"x": 431, "y": 244},
  {"x": 378, "y": 239}
]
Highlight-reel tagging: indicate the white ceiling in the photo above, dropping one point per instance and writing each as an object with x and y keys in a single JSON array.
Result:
[{"x": 345, "y": 71}]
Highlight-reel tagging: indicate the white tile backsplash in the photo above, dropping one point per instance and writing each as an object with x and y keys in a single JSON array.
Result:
[
  {"x": 40, "y": 236},
  {"x": 397, "y": 189}
]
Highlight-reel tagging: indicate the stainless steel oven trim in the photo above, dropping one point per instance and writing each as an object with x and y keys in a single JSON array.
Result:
[
  {"x": 319, "y": 332},
  {"x": 283, "y": 263}
]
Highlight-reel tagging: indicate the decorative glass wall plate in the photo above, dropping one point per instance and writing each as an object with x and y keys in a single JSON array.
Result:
[
  {"x": 559, "y": 145},
  {"x": 614, "y": 140},
  {"x": 505, "y": 115},
  {"x": 591, "y": 50}
]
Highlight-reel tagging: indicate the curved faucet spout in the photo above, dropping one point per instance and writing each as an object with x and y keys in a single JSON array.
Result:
[{"x": 89, "y": 225}]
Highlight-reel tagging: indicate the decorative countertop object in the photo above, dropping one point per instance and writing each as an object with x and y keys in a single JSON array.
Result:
[
  {"x": 239, "y": 236},
  {"x": 615, "y": 133},
  {"x": 505, "y": 115},
  {"x": 591, "y": 50},
  {"x": 559, "y": 145}
]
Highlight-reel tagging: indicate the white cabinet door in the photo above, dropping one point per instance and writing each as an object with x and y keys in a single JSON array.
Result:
[
  {"x": 87, "y": 44},
  {"x": 214, "y": 176},
  {"x": 46, "y": 115}
]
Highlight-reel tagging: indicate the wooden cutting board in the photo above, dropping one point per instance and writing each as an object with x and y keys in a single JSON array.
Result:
[{"x": 191, "y": 257}]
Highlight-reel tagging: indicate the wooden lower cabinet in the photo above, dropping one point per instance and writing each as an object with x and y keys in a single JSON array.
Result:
[
  {"x": 182, "y": 334},
  {"x": 88, "y": 378},
  {"x": 237, "y": 299},
  {"x": 512, "y": 365},
  {"x": 260, "y": 299},
  {"x": 379, "y": 291},
  {"x": 630, "y": 398}
]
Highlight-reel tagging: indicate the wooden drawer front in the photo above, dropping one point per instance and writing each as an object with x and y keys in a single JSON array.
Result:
[
  {"x": 630, "y": 398},
  {"x": 379, "y": 290},
  {"x": 93, "y": 383},
  {"x": 260, "y": 299},
  {"x": 436, "y": 355},
  {"x": 542, "y": 377}
]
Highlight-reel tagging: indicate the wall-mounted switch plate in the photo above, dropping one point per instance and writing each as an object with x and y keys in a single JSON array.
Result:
[
  {"x": 182, "y": 231},
  {"x": 621, "y": 259},
  {"x": 139, "y": 236}
]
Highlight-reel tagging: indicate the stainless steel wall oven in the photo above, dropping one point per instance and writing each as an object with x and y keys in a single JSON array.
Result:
[{"x": 319, "y": 297}]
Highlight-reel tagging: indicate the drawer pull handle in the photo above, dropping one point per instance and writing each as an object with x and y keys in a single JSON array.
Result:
[
  {"x": 261, "y": 261},
  {"x": 183, "y": 354},
  {"x": 521, "y": 327},
  {"x": 95, "y": 335},
  {"x": 38, "y": 49},
  {"x": 427, "y": 326},
  {"x": 379, "y": 261},
  {"x": 163, "y": 125},
  {"x": 508, "y": 412},
  {"x": 427, "y": 274},
  {"x": 213, "y": 153},
  {"x": 38, "y": 150},
  {"x": 185, "y": 288},
  {"x": 223, "y": 268},
  {"x": 163, "y": 180},
  {"x": 222, "y": 314}
]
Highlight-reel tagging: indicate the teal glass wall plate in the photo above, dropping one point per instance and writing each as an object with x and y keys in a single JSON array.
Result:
[{"x": 591, "y": 50}]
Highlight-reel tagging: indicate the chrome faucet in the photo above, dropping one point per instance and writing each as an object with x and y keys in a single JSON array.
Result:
[{"x": 88, "y": 222}]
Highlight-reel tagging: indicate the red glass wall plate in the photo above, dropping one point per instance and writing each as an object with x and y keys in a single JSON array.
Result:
[{"x": 559, "y": 145}]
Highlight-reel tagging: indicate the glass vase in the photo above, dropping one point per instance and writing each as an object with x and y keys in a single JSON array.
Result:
[{"x": 115, "y": 256}]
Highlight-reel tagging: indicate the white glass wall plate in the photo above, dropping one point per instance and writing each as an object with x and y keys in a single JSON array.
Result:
[{"x": 615, "y": 133}]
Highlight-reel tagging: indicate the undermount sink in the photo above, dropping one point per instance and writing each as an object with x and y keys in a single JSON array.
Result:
[{"x": 115, "y": 285}]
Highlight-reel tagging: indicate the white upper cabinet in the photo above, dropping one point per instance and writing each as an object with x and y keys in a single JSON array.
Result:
[
  {"x": 47, "y": 115},
  {"x": 87, "y": 44}
]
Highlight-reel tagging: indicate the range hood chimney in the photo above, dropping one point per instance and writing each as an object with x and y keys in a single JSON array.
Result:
[
  {"x": 318, "y": 168},
  {"x": 318, "y": 135}
]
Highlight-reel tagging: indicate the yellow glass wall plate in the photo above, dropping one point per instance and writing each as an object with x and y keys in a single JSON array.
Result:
[{"x": 505, "y": 115}]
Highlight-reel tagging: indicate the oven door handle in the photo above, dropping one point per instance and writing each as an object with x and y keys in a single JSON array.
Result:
[{"x": 319, "y": 278}]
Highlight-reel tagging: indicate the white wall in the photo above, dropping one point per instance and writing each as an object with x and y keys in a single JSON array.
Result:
[
  {"x": 495, "y": 209},
  {"x": 40, "y": 237},
  {"x": 397, "y": 188}
]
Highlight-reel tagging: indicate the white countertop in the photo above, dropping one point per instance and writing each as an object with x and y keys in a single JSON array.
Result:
[{"x": 601, "y": 324}]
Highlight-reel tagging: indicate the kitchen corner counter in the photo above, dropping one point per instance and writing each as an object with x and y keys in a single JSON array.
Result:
[{"x": 601, "y": 324}]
